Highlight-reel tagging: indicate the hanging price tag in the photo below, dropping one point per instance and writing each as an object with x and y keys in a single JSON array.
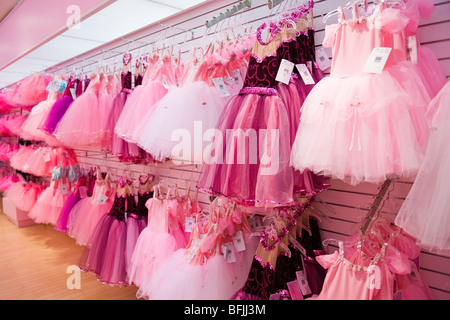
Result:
[
  {"x": 228, "y": 252},
  {"x": 63, "y": 189},
  {"x": 238, "y": 241},
  {"x": 294, "y": 290},
  {"x": 102, "y": 199},
  {"x": 164, "y": 81},
  {"x": 236, "y": 74},
  {"x": 285, "y": 71},
  {"x": 377, "y": 60},
  {"x": 305, "y": 74},
  {"x": 188, "y": 224},
  {"x": 72, "y": 92},
  {"x": 83, "y": 192},
  {"x": 322, "y": 59},
  {"x": 412, "y": 48},
  {"x": 303, "y": 283},
  {"x": 221, "y": 87}
]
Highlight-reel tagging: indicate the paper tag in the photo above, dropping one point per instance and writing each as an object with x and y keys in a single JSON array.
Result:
[
  {"x": 398, "y": 295},
  {"x": 305, "y": 74},
  {"x": 236, "y": 74},
  {"x": 412, "y": 48},
  {"x": 309, "y": 64},
  {"x": 47, "y": 157},
  {"x": 322, "y": 59},
  {"x": 238, "y": 241},
  {"x": 221, "y": 87},
  {"x": 294, "y": 290},
  {"x": 228, "y": 252},
  {"x": 102, "y": 199},
  {"x": 275, "y": 296},
  {"x": 72, "y": 92},
  {"x": 303, "y": 283},
  {"x": 285, "y": 71},
  {"x": 83, "y": 192},
  {"x": 164, "y": 81},
  {"x": 188, "y": 224},
  {"x": 63, "y": 189},
  {"x": 414, "y": 275},
  {"x": 377, "y": 60}
]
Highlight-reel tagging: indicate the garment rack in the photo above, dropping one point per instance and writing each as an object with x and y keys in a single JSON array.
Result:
[
  {"x": 242, "y": 5},
  {"x": 375, "y": 206}
]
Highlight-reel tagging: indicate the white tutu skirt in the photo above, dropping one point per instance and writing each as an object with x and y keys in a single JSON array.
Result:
[
  {"x": 425, "y": 212},
  {"x": 175, "y": 128}
]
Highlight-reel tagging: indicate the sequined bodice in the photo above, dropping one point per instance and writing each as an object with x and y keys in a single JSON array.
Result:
[
  {"x": 262, "y": 72},
  {"x": 118, "y": 208},
  {"x": 126, "y": 79}
]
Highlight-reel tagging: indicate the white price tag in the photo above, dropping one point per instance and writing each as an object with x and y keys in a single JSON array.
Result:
[
  {"x": 72, "y": 92},
  {"x": 322, "y": 59},
  {"x": 221, "y": 87},
  {"x": 236, "y": 74},
  {"x": 102, "y": 199},
  {"x": 238, "y": 240},
  {"x": 47, "y": 157},
  {"x": 285, "y": 71},
  {"x": 63, "y": 189},
  {"x": 164, "y": 81},
  {"x": 412, "y": 49},
  {"x": 294, "y": 290},
  {"x": 305, "y": 74},
  {"x": 303, "y": 283},
  {"x": 188, "y": 224},
  {"x": 83, "y": 192},
  {"x": 377, "y": 60},
  {"x": 228, "y": 252}
]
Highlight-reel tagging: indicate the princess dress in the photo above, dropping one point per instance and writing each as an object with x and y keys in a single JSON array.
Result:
[
  {"x": 143, "y": 97},
  {"x": 155, "y": 243},
  {"x": 281, "y": 256},
  {"x": 104, "y": 255},
  {"x": 72, "y": 199},
  {"x": 356, "y": 126},
  {"x": 48, "y": 206},
  {"x": 201, "y": 271},
  {"x": 60, "y": 106},
  {"x": 424, "y": 213},
  {"x": 31, "y": 91},
  {"x": 111, "y": 141},
  {"x": 30, "y": 128},
  {"x": 87, "y": 212},
  {"x": 84, "y": 122},
  {"x": 137, "y": 215},
  {"x": 260, "y": 174}
]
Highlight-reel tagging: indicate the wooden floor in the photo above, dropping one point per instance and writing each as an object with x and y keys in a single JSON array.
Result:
[{"x": 34, "y": 264}]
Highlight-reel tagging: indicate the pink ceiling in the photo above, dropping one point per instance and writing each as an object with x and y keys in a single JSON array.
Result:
[{"x": 34, "y": 22}]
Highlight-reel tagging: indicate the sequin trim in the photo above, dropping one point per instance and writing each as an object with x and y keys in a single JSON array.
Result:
[{"x": 259, "y": 90}]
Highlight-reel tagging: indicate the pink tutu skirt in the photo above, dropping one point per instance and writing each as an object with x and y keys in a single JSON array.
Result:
[
  {"x": 135, "y": 226},
  {"x": 358, "y": 129},
  {"x": 24, "y": 196},
  {"x": 104, "y": 255},
  {"x": 48, "y": 206},
  {"x": 152, "y": 249},
  {"x": 84, "y": 217},
  {"x": 32, "y": 90},
  {"x": 138, "y": 104}
]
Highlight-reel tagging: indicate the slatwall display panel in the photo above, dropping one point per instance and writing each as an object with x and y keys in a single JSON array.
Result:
[{"x": 345, "y": 205}]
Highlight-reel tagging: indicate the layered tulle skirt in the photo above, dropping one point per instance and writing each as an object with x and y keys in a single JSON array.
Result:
[{"x": 358, "y": 128}]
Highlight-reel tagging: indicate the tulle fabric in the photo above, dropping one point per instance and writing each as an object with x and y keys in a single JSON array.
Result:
[
  {"x": 48, "y": 206},
  {"x": 112, "y": 142},
  {"x": 135, "y": 226},
  {"x": 55, "y": 114},
  {"x": 61, "y": 223},
  {"x": 84, "y": 122},
  {"x": 173, "y": 122},
  {"x": 23, "y": 195},
  {"x": 424, "y": 213},
  {"x": 372, "y": 131},
  {"x": 32, "y": 90},
  {"x": 154, "y": 245},
  {"x": 257, "y": 172},
  {"x": 138, "y": 104}
]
